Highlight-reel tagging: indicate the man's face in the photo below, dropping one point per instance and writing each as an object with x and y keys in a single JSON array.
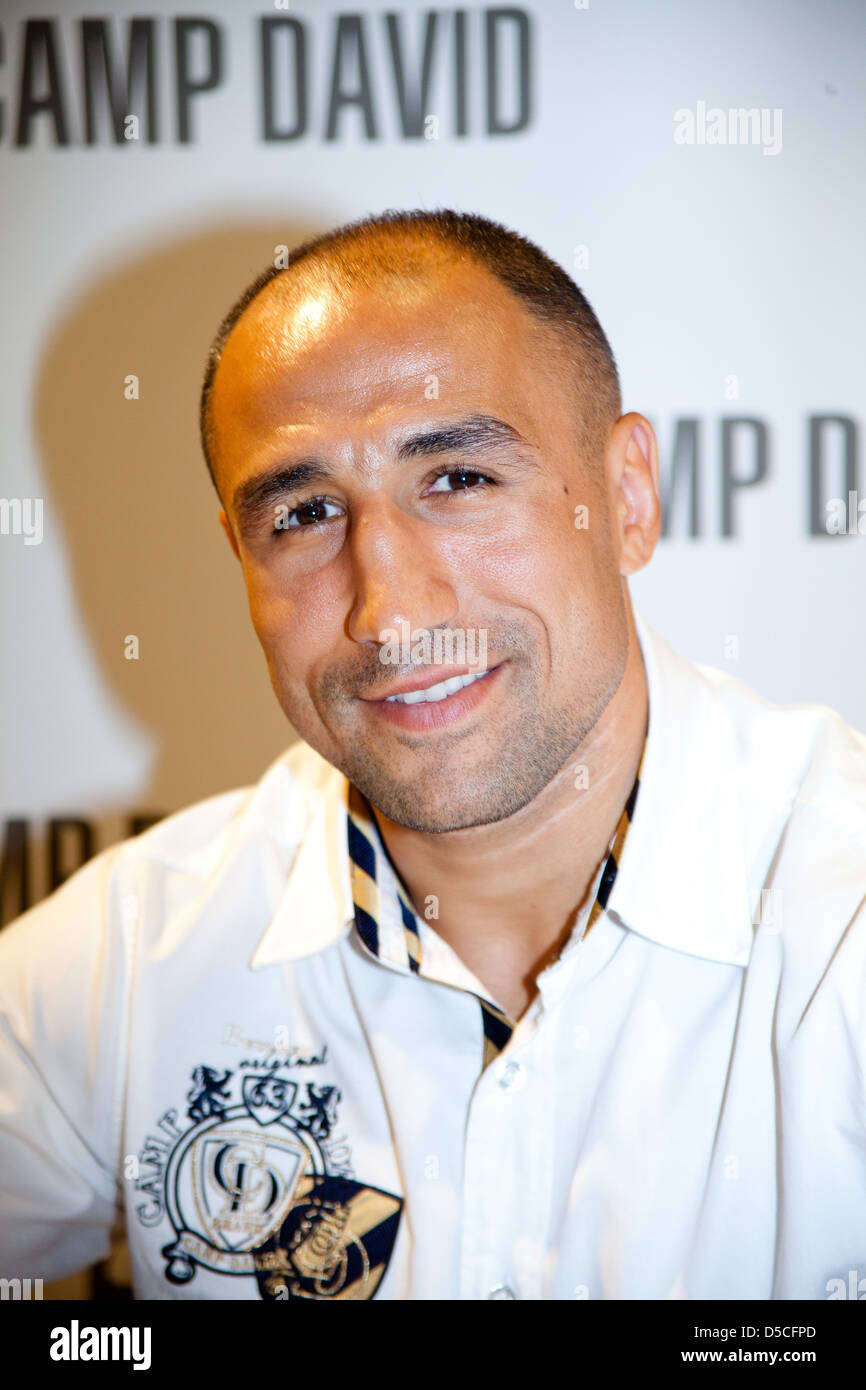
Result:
[{"x": 377, "y": 537}]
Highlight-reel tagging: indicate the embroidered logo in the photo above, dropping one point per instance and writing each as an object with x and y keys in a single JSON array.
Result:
[{"x": 255, "y": 1187}]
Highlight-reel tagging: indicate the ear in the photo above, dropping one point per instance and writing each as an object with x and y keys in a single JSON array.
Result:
[
  {"x": 226, "y": 525},
  {"x": 634, "y": 459}
]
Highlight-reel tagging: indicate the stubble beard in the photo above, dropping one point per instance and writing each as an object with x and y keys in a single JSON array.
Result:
[{"x": 454, "y": 789}]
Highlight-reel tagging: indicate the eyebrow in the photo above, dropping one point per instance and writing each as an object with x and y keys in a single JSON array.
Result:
[{"x": 474, "y": 434}]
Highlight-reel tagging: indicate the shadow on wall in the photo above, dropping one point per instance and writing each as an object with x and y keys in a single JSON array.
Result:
[{"x": 130, "y": 487}]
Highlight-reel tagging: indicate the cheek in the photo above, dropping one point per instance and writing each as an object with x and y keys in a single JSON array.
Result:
[
  {"x": 559, "y": 578},
  {"x": 294, "y": 628},
  {"x": 533, "y": 553}
]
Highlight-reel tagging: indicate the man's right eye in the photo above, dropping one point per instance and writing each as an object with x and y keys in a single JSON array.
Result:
[{"x": 310, "y": 513}]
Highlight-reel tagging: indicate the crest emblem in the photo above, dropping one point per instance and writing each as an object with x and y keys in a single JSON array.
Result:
[{"x": 248, "y": 1190}]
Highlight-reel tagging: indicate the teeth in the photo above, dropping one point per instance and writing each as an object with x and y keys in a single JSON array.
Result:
[{"x": 437, "y": 692}]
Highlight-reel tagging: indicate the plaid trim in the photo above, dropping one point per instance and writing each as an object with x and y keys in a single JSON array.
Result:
[{"x": 363, "y": 835}]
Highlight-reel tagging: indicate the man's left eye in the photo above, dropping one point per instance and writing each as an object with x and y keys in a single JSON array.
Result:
[{"x": 467, "y": 479}]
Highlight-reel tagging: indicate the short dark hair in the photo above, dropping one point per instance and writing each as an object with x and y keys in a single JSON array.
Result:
[{"x": 544, "y": 287}]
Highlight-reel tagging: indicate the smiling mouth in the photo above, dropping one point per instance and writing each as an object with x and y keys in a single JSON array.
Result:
[
  {"x": 433, "y": 693},
  {"x": 443, "y": 704}
]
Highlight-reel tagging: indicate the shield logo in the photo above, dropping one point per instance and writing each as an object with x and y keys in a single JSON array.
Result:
[
  {"x": 268, "y": 1098},
  {"x": 243, "y": 1184}
]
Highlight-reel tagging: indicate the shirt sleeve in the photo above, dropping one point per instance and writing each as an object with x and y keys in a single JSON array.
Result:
[{"x": 64, "y": 967}]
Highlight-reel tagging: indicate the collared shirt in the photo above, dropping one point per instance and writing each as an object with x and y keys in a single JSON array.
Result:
[
  {"x": 375, "y": 887},
  {"x": 195, "y": 1025}
]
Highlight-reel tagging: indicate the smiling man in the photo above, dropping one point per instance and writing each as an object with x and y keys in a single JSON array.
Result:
[
  {"x": 535, "y": 971},
  {"x": 377, "y": 479}
]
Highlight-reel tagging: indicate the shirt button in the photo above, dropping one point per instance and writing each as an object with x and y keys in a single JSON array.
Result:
[
  {"x": 512, "y": 1076},
  {"x": 501, "y": 1291}
]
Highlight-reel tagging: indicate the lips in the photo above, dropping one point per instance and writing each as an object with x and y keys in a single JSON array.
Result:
[{"x": 424, "y": 709}]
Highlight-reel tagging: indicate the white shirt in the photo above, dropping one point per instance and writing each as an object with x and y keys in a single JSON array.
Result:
[{"x": 681, "y": 1112}]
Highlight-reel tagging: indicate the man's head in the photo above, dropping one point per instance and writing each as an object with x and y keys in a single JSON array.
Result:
[{"x": 404, "y": 426}]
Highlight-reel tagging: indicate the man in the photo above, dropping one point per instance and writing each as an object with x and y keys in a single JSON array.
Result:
[{"x": 536, "y": 970}]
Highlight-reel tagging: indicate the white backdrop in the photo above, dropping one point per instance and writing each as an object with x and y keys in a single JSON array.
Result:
[{"x": 728, "y": 276}]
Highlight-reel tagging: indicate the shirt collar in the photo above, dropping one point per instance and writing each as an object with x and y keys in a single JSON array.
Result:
[
  {"x": 683, "y": 877},
  {"x": 315, "y": 907}
]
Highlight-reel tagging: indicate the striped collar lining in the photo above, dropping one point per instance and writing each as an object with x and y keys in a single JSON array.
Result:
[{"x": 367, "y": 853}]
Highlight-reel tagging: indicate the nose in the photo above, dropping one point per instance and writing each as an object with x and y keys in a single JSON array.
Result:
[{"x": 399, "y": 575}]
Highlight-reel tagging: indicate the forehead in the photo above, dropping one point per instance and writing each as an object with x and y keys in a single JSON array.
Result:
[{"x": 312, "y": 356}]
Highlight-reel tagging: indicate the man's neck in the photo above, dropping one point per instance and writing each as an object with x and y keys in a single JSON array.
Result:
[{"x": 507, "y": 894}]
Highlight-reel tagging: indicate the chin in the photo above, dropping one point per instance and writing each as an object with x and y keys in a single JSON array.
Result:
[{"x": 416, "y": 806}]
